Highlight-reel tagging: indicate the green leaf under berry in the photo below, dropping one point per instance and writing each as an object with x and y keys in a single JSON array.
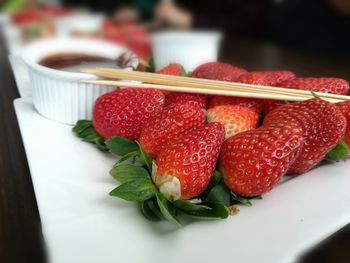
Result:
[
  {"x": 128, "y": 172},
  {"x": 207, "y": 210},
  {"x": 167, "y": 209},
  {"x": 339, "y": 153},
  {"x": 145, "y": 158},
  {"x": 220, "y": 194},
  {"x": 243, "y": 200},
  {"x": 127, "y": 157},
  {"x": 84, "y": 130},
  {"x": 136, "y": 190},
  {"x": 188, "y": 206},
  {"x": 120, "y": 146},
  {"x": 149, "y": 211}
]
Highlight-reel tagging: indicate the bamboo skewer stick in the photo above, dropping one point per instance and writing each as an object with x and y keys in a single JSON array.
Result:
[
  {"x": 219, "y": 86},
  {"x": 231, "y": 92}
]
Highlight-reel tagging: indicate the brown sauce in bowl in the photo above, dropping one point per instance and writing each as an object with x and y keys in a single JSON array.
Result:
[{"x": 73, "y": 62}]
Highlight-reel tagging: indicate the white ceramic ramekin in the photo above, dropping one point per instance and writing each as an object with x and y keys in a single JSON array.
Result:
[
  {"x": 60, "y": 95},
  {"x": 188, "y": 48}
]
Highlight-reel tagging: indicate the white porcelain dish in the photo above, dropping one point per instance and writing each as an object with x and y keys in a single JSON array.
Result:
[
  {"x": 80, "y": 23},
  {"x": 82, "y": 224},
  {"x": 188, "y": 48},
  {"x": 60, "y": 95}
]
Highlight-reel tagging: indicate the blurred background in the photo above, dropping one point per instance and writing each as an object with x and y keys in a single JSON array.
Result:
[{"x": 311, "y": 25}]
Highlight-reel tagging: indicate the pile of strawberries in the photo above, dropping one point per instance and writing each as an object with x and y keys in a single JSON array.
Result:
[{"x": 251, "y": 142}]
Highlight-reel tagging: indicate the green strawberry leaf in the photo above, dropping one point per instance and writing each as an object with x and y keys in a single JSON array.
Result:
[
  {"x": 127, "y": 157},
  {"x": 81, "y": 125},
  {"x": 149, "y": 210},
  {"x": 145, "y": 158},
  {"x": 120, "y": 146},
  {"x": 207, "y": 210},
  {"x": 137, "y": 190},
  {"x": 183, "y": 71},
  {"x": 151, "y": 67},
  {"x": 243, "y": 200},
  {"x": 188, "y": 206},
  {"x": 315, "y": 95},
  {"x": 217, "y": 178},
  {"x": 220, "y": 194},
  {"x": 84, "y": 130},
  {"x": 127, "y": 172},
  {"x": 339, "y": 153},
  {"x": 167, "y": 209}
]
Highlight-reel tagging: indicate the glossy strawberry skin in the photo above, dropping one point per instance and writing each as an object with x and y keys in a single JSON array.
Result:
[
  {"x": 123, "y": 112},
  {"x": 168, "y": 125},
  {"x": 327, "y": 85},
  {"x": 274, "y": 77},
  {"x": 235, "y": 119},
  {"x": 267, "y": 78},
  {"x": 172, "y": 69},
  {"x": 218, "y": 71},
  {"x": 323, "y": 125},
  {"x": 252, "y": 104},
  {"x": 198, "y": 101},
  {"x": 253, "y": 162},
  {"x": 191, "y": 159},
  {"x": 344, "y": 107}
]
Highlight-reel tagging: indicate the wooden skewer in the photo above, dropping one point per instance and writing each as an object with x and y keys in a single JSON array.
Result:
[
  {"x": 246, "y": 94},
  {"x": 209, "y": 84}
]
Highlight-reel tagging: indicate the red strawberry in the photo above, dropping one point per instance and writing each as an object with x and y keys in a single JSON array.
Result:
[
  {"x": 218, "y": 71},
  {"x": 274, "y": 77},
  {"x": 173, "y": 69},
  {"x": 256, "y": 78},
  {"x": 168, "y": 125},
  {"x": 186, "y": 166},
  {"x": 323, "y": 125},
  {"x": 198, "y": 101},
  {"x": 345, "y": 110},
  {"x": 270, "y": 105},
  {"x": 253, "y": 162},
  {"x": 252, "y": 104},
  {"x": 271, "y": 79},
  {"x": 235, "y": 119},
  {"x": 327, "y": 85},
  {"x": 123, "y": 112}
]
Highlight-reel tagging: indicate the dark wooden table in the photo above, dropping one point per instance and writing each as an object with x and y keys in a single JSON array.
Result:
[{"x": 20, "y": 229}]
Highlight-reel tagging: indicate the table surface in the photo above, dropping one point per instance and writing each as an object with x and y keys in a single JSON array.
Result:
[{"x": 20, "y": 229}]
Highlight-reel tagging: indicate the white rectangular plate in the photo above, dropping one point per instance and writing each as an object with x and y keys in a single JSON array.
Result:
[{"x": 81, "y": 223}]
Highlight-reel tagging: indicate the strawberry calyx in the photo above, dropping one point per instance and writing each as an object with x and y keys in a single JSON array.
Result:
[{"x": 341, "y": 152}]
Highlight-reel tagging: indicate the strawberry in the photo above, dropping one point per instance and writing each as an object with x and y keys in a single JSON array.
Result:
[
  {"x": 252, "y": 104},
  {"x": 345, "y": 110},
  {"x": 256, "y": 78},
  {"x": 123, "y": 112},
  {"x": 274, "y": 77},
  {"x": 198, "y": 101},
  {"x": 253, "y": 162},
  {"x": 173, "y": 69},
  {"x": 323, "y": 125},
  {"x": 218, "y": 71},
  {"x": 327, "y": 85},
  {"x": 168, "y": 125},
  {"x": 235, "y": 119},
  {"x": 186, "y": 165}
]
